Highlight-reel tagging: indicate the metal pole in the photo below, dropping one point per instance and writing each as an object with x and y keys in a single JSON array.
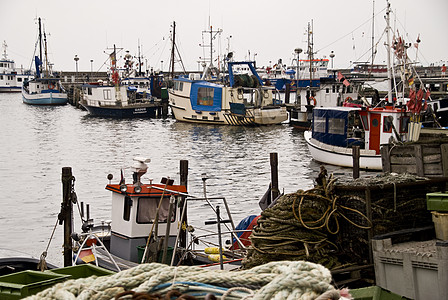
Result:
[{"x": 274, "y": 175}]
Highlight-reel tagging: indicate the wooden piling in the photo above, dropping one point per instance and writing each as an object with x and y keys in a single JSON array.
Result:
[
  {"x": 184, "y": 182},
  {"x": 67, "y": 214},
  {"x": 274, "y": 175},
  {"x": 356, "y": 155}
]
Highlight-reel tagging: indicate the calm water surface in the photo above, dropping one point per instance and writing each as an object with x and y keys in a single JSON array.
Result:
[{"x": 37, "y": 142}]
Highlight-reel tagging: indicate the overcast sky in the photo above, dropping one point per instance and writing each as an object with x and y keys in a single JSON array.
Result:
[{"x": 265, "y": 30}]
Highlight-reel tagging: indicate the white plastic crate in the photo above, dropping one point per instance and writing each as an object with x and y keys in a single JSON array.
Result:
[{"x": 417, "y": 269}]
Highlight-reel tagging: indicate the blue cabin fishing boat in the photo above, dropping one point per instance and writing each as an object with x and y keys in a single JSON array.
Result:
[
  {"x": 240, "y": 100},
  {"x": 45, "y": 88}
]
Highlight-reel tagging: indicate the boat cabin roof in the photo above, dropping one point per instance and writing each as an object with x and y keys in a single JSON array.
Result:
[{"x": 148, "y": 190}]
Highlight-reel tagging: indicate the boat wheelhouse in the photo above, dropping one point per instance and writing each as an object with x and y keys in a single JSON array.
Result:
[
  {"x": 243, "y": 100},
  {"x": 11, "y": 78},
  {"x": 336, "y": 130}
]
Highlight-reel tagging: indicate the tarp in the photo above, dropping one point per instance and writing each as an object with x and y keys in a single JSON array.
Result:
[
  {"x": 216, "y": 100},
  {"x": 330, "y": 126}
]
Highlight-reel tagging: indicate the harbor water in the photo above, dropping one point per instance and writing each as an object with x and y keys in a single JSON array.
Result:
[{"x": 37, "y": 142}]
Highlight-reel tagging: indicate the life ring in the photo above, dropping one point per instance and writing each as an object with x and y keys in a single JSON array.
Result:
[
  {"x": 348, "y": 99},
  {"x": 51, "y": 86},
  {"x": 314, "y": 101}
]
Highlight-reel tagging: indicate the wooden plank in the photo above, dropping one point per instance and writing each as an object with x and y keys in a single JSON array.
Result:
[
  {"x": 444, "y": 155},
  {"x": 385, "y": 158},
  {"x": 433, "y": 170},
  {"x": 411, "y": 169},
  {"x": 419, "y": 160},
  {"x": 432, "y": 159},
  {"x": 402, "y": 160}
]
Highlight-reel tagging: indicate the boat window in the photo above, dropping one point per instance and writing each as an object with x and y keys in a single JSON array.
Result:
[
  {"x": 89, "y": 91},
  {"x": 327, "y": 90},
  {"x": 1, "y": 77},
  {"x": 319, "y": 124},
  {"x": 147, "y": 207},
  {"x": 365, "y": 122},
  {"x": 404, "y": 122},
  {"x": 106, "y": 94},
  {"x": 336, "y": 126},
  {"x": 19, "y": 79},
  {"x": 181, "y": 86},
  {"x": 387, "y": 124},
  {"x": 205, "y": 96},
  {"x": 127, "y": 208}
]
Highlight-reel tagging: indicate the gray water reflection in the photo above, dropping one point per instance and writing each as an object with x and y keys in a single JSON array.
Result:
[{"x": 38, "y": 141}]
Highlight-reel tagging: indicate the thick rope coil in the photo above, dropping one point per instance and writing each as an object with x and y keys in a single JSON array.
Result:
[{"x": 277, "y": 280}]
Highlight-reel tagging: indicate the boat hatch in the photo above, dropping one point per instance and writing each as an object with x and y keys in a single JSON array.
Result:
[{"x": 206, "y": 97}]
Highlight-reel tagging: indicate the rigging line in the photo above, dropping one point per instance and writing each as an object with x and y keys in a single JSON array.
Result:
[{"x": 348, "y": 33}]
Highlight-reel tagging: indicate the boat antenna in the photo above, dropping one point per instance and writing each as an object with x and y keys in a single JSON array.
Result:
[
  {"x": 389, "y": 75},
  {"x": 139, "y": 60}
]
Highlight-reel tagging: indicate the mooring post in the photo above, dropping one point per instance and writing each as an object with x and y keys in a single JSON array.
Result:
[
  {"x": 287, "y": 93},
  {"x": 274, "y": 175},
  {"x": 183, "y": 181},
  {"x": 67, "y": 214},
  {"x": 355, "y": 154}
]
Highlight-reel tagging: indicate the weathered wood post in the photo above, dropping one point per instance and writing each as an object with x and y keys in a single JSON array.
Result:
[
  {"x": 385, "y": 158},
  {"x": 183, "y": 181},
  {"x": 66, "y": 214},
  {"x": 355, "y": 154},
  {"x": 274, "y": 175},
  {"x": 287, "y": 93}
]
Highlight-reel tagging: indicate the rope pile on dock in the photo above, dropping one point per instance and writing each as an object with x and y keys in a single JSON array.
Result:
[
  {"x": 275, "y": 280},
  {"x": 303, "y": 226}
]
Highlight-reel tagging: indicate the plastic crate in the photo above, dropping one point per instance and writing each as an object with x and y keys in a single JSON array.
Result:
[
  {"x": 437, "y": 201},
  {"x": 26, "y": 283},
  {"x": 416, "y": 268},
  {"x": 169, "y": 254},
  {"x": 440, "y": 224},
  {"x": 82, "y": 271},
  {"x": 374, "y": 293}
]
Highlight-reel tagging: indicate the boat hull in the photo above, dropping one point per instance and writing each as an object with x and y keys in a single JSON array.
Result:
[
  {"x": 183, "y": 111},
  {"x": 122, "y": 112},
  {"x": 44, "y": 98},
  {"x": 341, "y": 156},
  {"x": 10, "y": 89}
]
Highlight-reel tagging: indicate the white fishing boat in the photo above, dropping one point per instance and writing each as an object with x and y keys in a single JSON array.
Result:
[
  {"x": 46, "y": 87},
  {"x": 335, "y": 130},
  {"x": 149, "y": 224},
  {"x": 117, "y": 98},
  {"x": 317, "y": 88},
  {"x": 11, "y": 78},
  {"x": 243, "y": 100}
]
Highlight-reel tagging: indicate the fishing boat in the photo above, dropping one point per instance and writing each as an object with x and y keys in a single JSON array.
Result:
[
  {"x": 148, "y": 224},
  {"x": 46, "y": 87},
  {"x": 11, "y": 78},
  {"x": 335, "y": 130},
  {"x": 316, "y": 87},
  {"x": 243, "y": 100},
  {"x": 117, "y": 99}
]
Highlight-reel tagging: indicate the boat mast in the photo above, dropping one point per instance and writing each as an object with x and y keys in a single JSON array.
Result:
[
  {"x": 373, "y": 37},
  {"x": 172, "y": 49},
  {"x": 310, "y": 50},
  {"x": 46, "y": 53},
  {"x": 40, "y": 45},
  {"x": 139, "y": 60},
  {"x": 389, "y": 74}
]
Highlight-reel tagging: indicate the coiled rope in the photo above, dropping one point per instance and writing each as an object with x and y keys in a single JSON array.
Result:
[
  {"x": 300, "y": 226},
  {"x": 275, "y": 280}
]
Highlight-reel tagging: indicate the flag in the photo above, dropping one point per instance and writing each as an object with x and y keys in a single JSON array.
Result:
[
  {"x": 411, "y": 81},
  {"x": 346, "y": 83},
  {"x": 340, "y": 76}
]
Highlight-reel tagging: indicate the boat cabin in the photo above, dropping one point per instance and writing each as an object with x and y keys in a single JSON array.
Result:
[
  {"x": 134, "y": 209},
  {"x": 365, "y": 127}
]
